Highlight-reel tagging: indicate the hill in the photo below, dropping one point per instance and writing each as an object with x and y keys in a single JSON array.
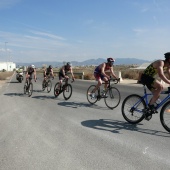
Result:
[{"x": 119, "y": 61}]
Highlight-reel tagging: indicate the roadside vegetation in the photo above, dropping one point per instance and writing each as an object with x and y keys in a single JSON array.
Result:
[
  {"x": 126, "y": 71},
  {"x": 5, "y": 75}
]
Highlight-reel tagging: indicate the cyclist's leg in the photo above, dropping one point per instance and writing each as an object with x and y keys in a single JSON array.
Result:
[
  {"x": 98, "y": 78},
  {"x": 61, "y": 77},
  {"x": 156, "y": 90},
  {"x": 27, "y": 77},
  {"x": 45, "y": 77},
  {"x": 105, "y": 79}
]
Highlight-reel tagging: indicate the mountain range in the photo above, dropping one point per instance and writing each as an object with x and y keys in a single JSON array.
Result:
[{"x": 118, "y": 61}]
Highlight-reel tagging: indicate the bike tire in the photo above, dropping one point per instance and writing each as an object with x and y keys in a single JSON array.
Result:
[
  {"x": 56, "y": 90},
  {"x": 130, "y": 113},
  {"x": 49, "y": 86},
  {"x": 89, "y": 92},
  {"x": 165, "y": 116},
  {"x": 25, "y": 89},
  {"x": 30, "y": 90},
  {"x": 113, "y": 98},
  {"x": 43, "y": 85},
  {"x": 67, "y": 91}
]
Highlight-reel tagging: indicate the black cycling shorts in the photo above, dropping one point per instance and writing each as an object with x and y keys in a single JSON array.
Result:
[{"x": 148, "y": 81}]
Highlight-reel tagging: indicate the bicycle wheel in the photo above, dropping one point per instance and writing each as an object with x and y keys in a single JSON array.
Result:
[
  {"x": 56, "y": 89},
  {"x": 25, "y": 89},
  {"x": 30, "y": 90},
  {"x": 165, "y": 116},
  {"x": 113, "y": 98},
  {"x": 49, "y": 85},
  {"x": 132, "y": 108},
  {"x": 43, "y": 85},
  {"x": 67, "y": 91},
  {"x": 91, "y": 99}
]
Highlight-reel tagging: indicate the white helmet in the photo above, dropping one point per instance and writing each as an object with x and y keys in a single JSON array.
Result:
[{"x": 32, "y": 66}]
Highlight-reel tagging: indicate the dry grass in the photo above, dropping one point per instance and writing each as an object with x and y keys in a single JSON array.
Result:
[
  {"x": 125, "y": 70},
  {"x": 5, "y": 75}
]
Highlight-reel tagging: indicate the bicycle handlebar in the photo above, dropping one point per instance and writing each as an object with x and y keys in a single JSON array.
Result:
[{"x": 115, "y": 80}]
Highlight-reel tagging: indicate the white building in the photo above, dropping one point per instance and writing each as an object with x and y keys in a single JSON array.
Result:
[{"x": 8, "y": 66}]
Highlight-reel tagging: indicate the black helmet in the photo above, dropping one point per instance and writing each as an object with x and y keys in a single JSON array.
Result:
[
  {"x": 110, "y": 60},
  {"x": 50, "y": 66},
  {"x": 69, "y": 64},
  {"x": 167, "y": 55}
]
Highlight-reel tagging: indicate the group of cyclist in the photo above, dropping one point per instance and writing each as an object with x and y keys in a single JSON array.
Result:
[
  {"x": 31, "y": 71},
  {"x": 158, "y": 67}
]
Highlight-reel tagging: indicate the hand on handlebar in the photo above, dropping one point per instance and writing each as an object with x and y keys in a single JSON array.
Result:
[{"x": 118, "y": 79}]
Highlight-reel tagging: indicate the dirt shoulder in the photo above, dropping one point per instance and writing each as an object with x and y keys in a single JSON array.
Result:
[{"x": 2, "y": 82}]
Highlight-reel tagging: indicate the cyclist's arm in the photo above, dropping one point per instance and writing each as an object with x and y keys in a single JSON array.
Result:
[
  {"x": 102, "y": 70},
  {"x": 161, "y": 74},
  {"x": 45, "y": 72},
  {"x": 168, "y": 72},
  {"x": 26, "y": 74},
  {"x": 52, "y": 73},
  {"x": 71, "y": 71},
  {"x": 112, "y": 73},
  {"x": 35, "y": 75}
]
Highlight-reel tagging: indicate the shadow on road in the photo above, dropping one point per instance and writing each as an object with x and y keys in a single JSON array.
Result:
[
  {"x": 43, "y": 97},
  {"x": 116, "y": 126},
  {"x": 13, "y": 82},
  {"x": 14, "y": 94},
  {"x": 80, "y": 104}
]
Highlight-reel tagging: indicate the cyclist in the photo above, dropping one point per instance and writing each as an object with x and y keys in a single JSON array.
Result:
[
  {"x": 30, "y": 70},
  {"x": 101, "y": 75},
  {"x": 158, "y": 67},
  {"x": 63, "y": 73},
  {"x": 48, "y": 71}
]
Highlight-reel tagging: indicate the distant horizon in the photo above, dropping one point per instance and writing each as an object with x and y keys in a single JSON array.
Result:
[{"x": 86, "y": 60}]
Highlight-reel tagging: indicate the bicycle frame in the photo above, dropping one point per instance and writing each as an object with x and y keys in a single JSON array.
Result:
[
  {"x": 28, "y": 81},
  {"x": 108, "y": 86},
  {"x": 145, "y": 98}
]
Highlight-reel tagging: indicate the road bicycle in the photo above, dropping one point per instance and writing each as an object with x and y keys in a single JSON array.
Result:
[
  {"x": 47, "y": 83},
  {"x": 65, "y": 88},
  {"x": 135, "y": 108},
  {"x": 28, "y": 87},
  {"x": 111, "y": 95}
]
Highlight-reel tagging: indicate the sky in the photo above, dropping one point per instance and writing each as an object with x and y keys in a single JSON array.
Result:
[{"x": 78, "y": 30}]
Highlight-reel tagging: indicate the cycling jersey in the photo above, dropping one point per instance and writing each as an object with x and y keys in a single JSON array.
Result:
[
  {"x": 151, "y": 71},
  {"x": 98, "y": 69},
  {"x": 148, "y": 76},
  {"x": 66, "y": 69},
  {"x": 48, "y": 71},
  {"x": 30, "y": 70}
]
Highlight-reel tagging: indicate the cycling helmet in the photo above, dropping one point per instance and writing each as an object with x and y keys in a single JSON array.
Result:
[
  {"x": 50, "y": 66},
  {"x": 32, "y": 66},
  {"x": 110, "y": 60},
  {"x": 167, "y": 55},
  {"x": 69, "y": 64}
]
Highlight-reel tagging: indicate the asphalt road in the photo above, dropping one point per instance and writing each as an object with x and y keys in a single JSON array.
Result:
[{"x": 42, "y": 132}]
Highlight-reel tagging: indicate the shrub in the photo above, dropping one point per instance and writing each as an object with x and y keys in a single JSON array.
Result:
[{"x": 5, "y": 75}]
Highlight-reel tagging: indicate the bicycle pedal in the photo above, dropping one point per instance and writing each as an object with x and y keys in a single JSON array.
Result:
[{"x": 148, "y": 117}]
